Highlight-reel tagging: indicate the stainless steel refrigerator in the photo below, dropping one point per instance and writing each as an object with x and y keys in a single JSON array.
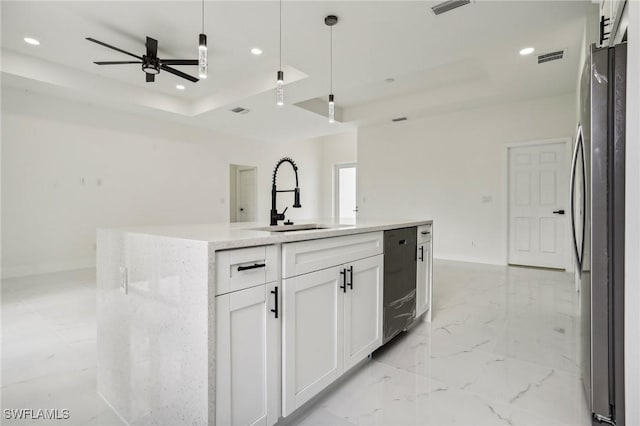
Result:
[{"x": 597, "y": 216}]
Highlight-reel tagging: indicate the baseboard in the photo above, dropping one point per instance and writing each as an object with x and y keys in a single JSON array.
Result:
[
  {"x": 468, "y": 260},
  {"x": 47, "y": 268}
]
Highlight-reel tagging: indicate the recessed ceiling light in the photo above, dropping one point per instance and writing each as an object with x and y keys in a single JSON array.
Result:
[
  {"x": 256, "y": 51},
  {"x": 32, "y": 41},
  {"x": 389, "y": 80},
  {"x": 179, "y": 87},
  {"x": 527, "y": 51}
]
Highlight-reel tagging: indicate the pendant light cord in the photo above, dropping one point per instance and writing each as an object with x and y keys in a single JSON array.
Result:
[
  {"x": 331, "y": 59},
  {"x": 202, "y": 16},
  {"x": 280, "y": 35}
]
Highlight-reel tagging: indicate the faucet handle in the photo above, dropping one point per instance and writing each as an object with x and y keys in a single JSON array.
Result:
[{"x": 284, "y": 211}]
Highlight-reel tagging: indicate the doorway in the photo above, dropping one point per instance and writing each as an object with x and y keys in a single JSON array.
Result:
[
  {"x": 345, "y": 191},
  {"x": 242, "y": 193},
  {"x": 538, "y": 201}
]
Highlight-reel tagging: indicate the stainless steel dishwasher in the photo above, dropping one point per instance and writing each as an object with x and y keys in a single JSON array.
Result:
[{"x": 400, "y": 247}]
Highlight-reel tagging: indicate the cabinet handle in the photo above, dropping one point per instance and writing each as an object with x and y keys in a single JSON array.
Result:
[
  {"x": 422, "y": 253},
  {"x": 344, "y": 280},
  {"x": 275, "y": 293},
  {"x": 350, "y": 283},
  {"x": 425, "y": 232},
  {"x": 254, "y": 266}
]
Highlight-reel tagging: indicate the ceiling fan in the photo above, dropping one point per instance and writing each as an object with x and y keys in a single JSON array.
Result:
[{"x": 151, "y": 64}]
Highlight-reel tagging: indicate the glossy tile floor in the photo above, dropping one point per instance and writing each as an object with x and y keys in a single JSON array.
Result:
[{"x": 502, "y": 349}]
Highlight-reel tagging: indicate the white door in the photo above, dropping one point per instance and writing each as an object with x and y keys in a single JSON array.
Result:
[
  {"x": 345, "y": 191},
  {"x": 248, "y": 357},
  {"x": 538, "y": 203},
  {"x": 246, "y": 194},
  {"x": 362, "y": 309},
  {"x": 312, "y": 335},
  {"x": 424, "y": 277}
]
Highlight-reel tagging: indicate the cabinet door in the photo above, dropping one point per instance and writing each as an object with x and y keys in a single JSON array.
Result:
[
  {"x": 363, "y": 309},
  {"x": 423, "y": 285},
  {"x": 312, "y": 335},
  {"x": 247, "y": 357}
]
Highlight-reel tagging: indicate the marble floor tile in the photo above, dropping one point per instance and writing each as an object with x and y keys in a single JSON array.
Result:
[{"x": 502, "y": 350}]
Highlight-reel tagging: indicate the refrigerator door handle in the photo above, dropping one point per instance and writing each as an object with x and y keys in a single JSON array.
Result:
[{"x": 572, "y": 195}]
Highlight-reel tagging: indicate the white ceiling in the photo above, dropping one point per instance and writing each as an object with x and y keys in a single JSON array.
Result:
[{"x": 467, "y": 56}]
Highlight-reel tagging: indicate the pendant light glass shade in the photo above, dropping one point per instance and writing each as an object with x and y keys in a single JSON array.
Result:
[
  {"x": 332, "y": 109},
  {"x": 280, "y": 88},
  {"x": 202, "y": 56},
  {"x": 280, "y": 74}
]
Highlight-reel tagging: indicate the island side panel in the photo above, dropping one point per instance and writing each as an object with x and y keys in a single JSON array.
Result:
[{"x": 153, "y": 341}]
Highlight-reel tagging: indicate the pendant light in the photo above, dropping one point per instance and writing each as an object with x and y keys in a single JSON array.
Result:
[
  {"x": 330, "y": 21},
  {"x": 202, "y": 50},
  {"x": 280, "y": 74}
]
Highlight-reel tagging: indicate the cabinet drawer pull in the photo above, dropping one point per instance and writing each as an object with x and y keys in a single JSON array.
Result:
[
  {"x": 426, "y": 232},
  {"x": 254, "y": 266},
  {"x": 344, "y": 280},
  {"x": 350, "y": 283},
  {"x": 275, "y": 293}
]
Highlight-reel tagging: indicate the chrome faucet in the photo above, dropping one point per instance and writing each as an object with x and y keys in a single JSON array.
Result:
[{"x": 275, "y": 216}]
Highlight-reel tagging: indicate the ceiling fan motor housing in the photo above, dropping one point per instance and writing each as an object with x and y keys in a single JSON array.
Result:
[{"x": 150, "y": 65}]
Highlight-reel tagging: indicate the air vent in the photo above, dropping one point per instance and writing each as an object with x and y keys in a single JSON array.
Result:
[
  {"x": 240, "y": 110},
  {"x": 551, "y": 56},
  {"x": 395, "y": 120},
  {"x": 448, "y": 6}
]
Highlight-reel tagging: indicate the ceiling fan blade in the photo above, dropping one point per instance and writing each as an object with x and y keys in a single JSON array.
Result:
[
  {"x": 152, "y": 47},
  {"x": 116, "y": 62},
  {"x": 113, "y": 47},
  {"x": 178, "y": 73},
  {"x": 179, "y": 61},
  {"x": 151, "y": 78}
]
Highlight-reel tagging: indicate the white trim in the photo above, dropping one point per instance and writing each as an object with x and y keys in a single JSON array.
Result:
[
  {"x": 569, "y": 261},
  {"x": 47, "y": 268},
  {"x": 336, "y": 183}
]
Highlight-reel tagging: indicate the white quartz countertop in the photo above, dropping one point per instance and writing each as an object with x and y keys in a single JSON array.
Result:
[{"x": 222, "y": 236}]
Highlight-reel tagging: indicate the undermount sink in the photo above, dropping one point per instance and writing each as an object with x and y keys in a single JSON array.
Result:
[{"x": 288, "y": 228}]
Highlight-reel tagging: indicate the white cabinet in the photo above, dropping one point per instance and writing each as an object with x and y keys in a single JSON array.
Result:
[
  {"x": 332, "y": 320},
  {"x": 312, "y": 355},
  {"x": 248, "y": 356},
  {"x": 424, "y": 285},
  {"x": 362, "y": 309}
]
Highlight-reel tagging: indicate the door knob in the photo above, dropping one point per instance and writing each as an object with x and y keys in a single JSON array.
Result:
[{"x": 558, "y": 212}]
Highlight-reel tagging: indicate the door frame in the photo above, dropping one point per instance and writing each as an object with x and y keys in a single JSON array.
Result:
[
  {"x": 255, "y": 185},
  {"x": 568, "y": 142},
  {"x": 336, "y": 186}
]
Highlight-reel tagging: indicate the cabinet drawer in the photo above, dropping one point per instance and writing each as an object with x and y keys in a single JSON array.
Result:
[
  {"x": 243, "y": 268},
  {"x": 424, "y": 233},
  {"x": 308, "y": 256}
]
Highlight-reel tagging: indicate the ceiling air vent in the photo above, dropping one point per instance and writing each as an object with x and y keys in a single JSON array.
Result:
[
  {"x": 551, "y": 56},
  {"x": 395, "y": 120},
  {"x": 240, "y": 110},
  {"x": 448, "y": 6}
]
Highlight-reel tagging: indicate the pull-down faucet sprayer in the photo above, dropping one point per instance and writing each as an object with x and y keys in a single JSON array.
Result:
[{"x": 275, "y": 216}]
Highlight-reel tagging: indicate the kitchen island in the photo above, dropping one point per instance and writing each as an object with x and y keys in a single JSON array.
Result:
[{"x": 294, "y": 310}]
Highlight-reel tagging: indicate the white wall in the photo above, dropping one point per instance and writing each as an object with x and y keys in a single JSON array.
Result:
[
  {"x": 334, "y": 149},
  {"x": 441, "y": 166},
  {"x": 68, "y": 168},
  {"x": 632, "y": 223}
]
